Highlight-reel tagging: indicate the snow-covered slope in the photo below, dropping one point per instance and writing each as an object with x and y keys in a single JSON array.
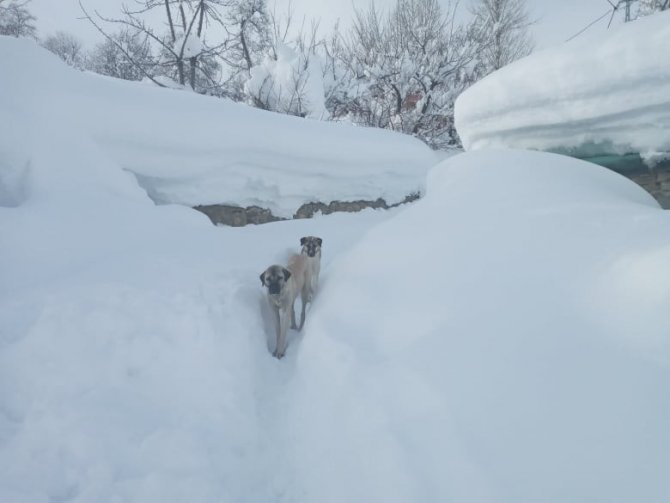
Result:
[
  {"x": 191, "y": 149},
  {"x": 503, "y": 340},
  {"x": 605, "y": 94}
]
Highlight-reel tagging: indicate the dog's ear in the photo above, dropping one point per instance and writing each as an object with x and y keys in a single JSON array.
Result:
[
  {"x": 263, "y": 278},
  {"x": 319, "y": 240},
  {"x": 287, "y": 274},
  {"x": 303, "y": 241}
]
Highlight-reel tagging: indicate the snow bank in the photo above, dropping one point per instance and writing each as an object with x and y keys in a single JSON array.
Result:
[
  {"x": 605, "y": 94},
  {"x": 502, "y": 340},
  {"x": 190, "y": 149}
]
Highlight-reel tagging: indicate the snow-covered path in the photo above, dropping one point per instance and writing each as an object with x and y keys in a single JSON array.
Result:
[
  {"x": 269, "y": 452},
  {"x": 152, "y": 368}
]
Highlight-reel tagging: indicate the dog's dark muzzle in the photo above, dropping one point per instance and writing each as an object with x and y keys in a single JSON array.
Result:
[
  {"x": 310, "y": 250},
  {"x": 274, "y": 288}
]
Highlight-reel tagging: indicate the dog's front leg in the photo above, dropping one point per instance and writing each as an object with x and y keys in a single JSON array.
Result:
[
  {"x": 277, "y": 332},
  {"x": 315, "y": 278},
  {"x": 293, "y": 324},
  {"x": 310, "y": 289},
  {"x": 304, "y": 296},
  {"x": 281, "y": 340},
  {"x": 313, "y": 285}
]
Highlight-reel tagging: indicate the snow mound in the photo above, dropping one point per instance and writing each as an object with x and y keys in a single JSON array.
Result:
[
  {"x": 599, "y": 95},
  {"x": 191, "y": 149},
  {"x": 511, "y": 350}
]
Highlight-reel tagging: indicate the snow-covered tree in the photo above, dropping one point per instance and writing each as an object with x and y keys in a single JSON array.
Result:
[
  {"x": 188, "y": 60},
  {"x": 503, "y": 27},
  {"x": 111, "y": 57},
  {"x": 289, "y": 79},
  {"x": 183, "y": 49},
  {"x": 408, "y": 67},
  {"x": 67, "y": 47},
  {"x": 338, "y": 82},
  {"x": 248, "y": 41},
  {"x": 16, "y": 20},
  {"x": 647, "y": 7}
]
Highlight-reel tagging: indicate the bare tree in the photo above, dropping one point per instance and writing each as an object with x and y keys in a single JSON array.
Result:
[
  {"x": 183, "y": 48},
  {"x": 504, "y": 29},
  {"x": 16, "y": 20},
  {"x": 109, "y": 57},
  {"x": 67, "y": 47}
]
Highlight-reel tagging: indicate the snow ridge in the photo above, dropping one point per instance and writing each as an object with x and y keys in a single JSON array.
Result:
[{"x": 605, "y": 94}]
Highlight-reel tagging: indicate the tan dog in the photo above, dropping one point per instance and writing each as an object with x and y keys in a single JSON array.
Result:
[
  {"x": 284, "y": 284},
  {"x": 311, "y": 248}
]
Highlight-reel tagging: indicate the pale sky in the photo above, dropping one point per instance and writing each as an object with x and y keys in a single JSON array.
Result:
[{"x": 557, "y": 19}]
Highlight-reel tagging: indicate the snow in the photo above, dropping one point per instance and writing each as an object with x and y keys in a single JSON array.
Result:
[
  {"x": 194, "y": 150},
  {"x": 596, "y": 95},
  {"x": 285, "y": 84},
  {"x": 192, "y": 46},
  {"x": 502, "y": 340},
  {"x": 516, "y": 351}
]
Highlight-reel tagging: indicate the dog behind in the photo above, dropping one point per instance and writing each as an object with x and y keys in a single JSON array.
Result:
[
  {"x": 284, "y": 284},
  {"x": 311, "y": 248}
]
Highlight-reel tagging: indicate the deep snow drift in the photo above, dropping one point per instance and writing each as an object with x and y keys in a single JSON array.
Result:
[
  {"x": 596, "y": 95},
  {"x": 191, "y": 149},
  {"x": 503, "y": 340}
]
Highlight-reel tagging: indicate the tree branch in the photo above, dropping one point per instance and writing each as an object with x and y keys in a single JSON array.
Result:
[{"x": 118, "y": 46}]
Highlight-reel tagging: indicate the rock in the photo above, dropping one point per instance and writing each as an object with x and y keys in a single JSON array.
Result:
[{"x": 237, "y": 216}]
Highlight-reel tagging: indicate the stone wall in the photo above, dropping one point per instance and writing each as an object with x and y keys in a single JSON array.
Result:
[
  {"x": 656, "y": 182},
  {"x": 237, "y": 216}
]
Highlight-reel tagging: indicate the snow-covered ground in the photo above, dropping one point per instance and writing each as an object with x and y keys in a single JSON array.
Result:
[
  {"x": 503, "y": 340},
  {"x": 601, "y": 94}
]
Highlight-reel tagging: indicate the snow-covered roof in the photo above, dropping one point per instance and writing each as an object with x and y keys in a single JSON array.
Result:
[{"x": 603, "y": 94}]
